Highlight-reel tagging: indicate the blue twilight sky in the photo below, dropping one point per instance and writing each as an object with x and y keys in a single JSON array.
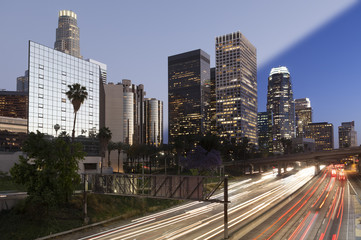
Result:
[{"x": 318, "y": 40}]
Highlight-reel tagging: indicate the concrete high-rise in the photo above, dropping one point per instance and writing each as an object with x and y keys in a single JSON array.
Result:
[
  {"x": 347, "y": 136},
  {"x": 153, "y": 113},
  {"x": 67, "y": 34},
  {"x": 303, "y": 114},
  {"x": 236, "y": 87},
  {"x": 280, "y": 108},
  {"x": 188, "y": 94},
  {"x": 322, "y": 133}
]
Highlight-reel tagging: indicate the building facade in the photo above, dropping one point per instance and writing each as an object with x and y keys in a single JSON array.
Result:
[
  {"x": 322, "y": 133},
  {"x": 153, "y": 112},
  {"x": 280, "y": 108},
  {"x": 67, "y": 34},
  {"x": 347, "y": 136},
  {"x": 262, "y": 130},
  {"x": 102, "y": 68},
  {"x": 236, "y": 87},
  {"x": 303, "y": 114},
  {"x": 188, "y": 94},
  {"x": 14, "y": 104},
  {"x": 50, "y": 73}
]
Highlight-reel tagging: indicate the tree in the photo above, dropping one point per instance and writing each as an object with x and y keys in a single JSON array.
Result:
[
  {"x": 119, "y": 146},
  {"x": 56, "y": 128},
  {"x": 76, "y": 95},
  {"x": 49, "y": 170},
  {"x": 202, "y": 160},
  {"x": 104, "y": 136},
  {"x": 111, "y": 147}
]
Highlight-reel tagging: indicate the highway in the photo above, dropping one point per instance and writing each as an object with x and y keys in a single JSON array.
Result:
[
  {"x": 297, "y": 206},
  {"x": 250, "y": 199}
]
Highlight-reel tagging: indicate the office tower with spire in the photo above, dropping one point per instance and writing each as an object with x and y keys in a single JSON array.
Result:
[
  {"x": 67, "y": 34},
  {"x": 280, "y": 108},
  {"x": 236, "y": 87},
  {"x": 303, "y": 114}
]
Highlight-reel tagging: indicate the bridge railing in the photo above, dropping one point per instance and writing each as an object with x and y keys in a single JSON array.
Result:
[{"x": 199, "y": 188}]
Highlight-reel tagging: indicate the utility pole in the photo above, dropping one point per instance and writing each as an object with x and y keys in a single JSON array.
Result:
[{"x": 225, "y": 186}]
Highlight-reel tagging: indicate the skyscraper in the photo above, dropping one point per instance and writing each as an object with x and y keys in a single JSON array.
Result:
[
  {"x": 67, "y": 34},
  {"x": 133, "y": 110},
  {"x": 188, "y": 94},
  {"x": 236, "y": 87},
  {"x": 322, "y": 133},
  {"x": 347, "y": 136},
  {"x": 153, "y": 112},
  {"x": 280, "y": 108},
  {"x": 262, "y": 126},
  {"x": 303, "y": 113},
  {"x": 22, "y": 82}
]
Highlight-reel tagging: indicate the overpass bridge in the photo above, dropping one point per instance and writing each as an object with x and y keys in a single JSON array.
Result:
[{"x": 311, "y": 158}]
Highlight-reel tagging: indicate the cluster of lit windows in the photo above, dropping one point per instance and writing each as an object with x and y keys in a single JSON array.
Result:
[{"x": 236, "y": 86}]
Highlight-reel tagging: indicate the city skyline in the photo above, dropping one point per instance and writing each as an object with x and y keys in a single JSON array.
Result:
[{"x": 132, "y": 33}]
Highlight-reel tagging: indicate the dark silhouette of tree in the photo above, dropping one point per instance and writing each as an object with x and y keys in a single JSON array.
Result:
[
  {"x": 202, "y": 160},
  {"x": 76, "y": 95},
  {"x": 104, "y": 136}
]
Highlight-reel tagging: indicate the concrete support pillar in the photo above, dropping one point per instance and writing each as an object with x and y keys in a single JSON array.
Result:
[
  {"x": 284, "y": 167},
  {"x": 279, "y": 169},
  {"x": 317, "y": 168}
]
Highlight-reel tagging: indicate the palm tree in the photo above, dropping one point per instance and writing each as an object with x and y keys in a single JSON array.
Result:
[
  {"x": 56, "y": 128},
  {"x": 76, "y": 95},
  {"x": 104, "y": 136},
  {"x": 119, "y": 146},
  {"x": 111, "y": 147}
]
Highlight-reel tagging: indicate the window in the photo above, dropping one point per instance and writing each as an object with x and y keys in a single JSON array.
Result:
[
  {"x": 41, "y": 76},
  {"x": 91, "y": 105},
  {"x": 63, "y": 109},
  {"x": 40, "y": 125},
  {"x": 41, "y": 95},
  {"x": 63, "y": 73},
  {"x": 91, "y": 80},
  {"x": 41, "y": 66},
  {"x": 90, "y": 73},
  {"x": 90, "y": 166},
  {"x": 63, "y": 118},
  {"x": 41, "y": 86},
  {"x": 63, "y": 100},
  {"x": 91, "y": 97},
  {"x": 40, "y": 105},
  {"x": 63, "y": 91},
  {"x": 40, "y": 115},
  {"x": 90, "y": 114},
  {"x": 63, "y": 82}
]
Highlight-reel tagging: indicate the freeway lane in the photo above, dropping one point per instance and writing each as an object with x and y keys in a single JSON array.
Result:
[
  {"x": 323, "y": 210},
  {"x": 200, "y": 220}
]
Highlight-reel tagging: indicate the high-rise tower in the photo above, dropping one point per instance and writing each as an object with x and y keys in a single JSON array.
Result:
[
  {"x": 303, "y": 113},
  {"x": 188, "y": 94},
  {"x": 67, "y": 34},
  {"x": 280, "y": 108},
  {"x": 347, "y": 136},
  {"x": 236, "y": 87}
]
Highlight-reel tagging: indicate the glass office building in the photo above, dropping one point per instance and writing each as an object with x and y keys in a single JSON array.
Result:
[
  {"x": 50, "y": 73},
  {"x": 280, "y": 108},
  {"x": 188, "y": 94}
]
